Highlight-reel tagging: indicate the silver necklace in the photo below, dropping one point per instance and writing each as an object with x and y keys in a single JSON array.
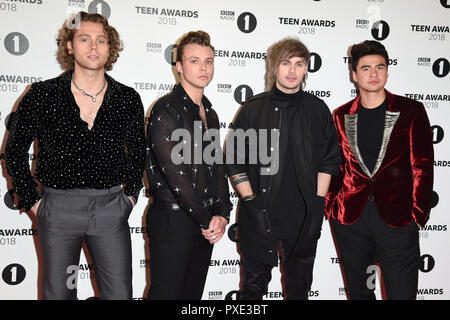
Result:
[{"x": 92, "y": 96}]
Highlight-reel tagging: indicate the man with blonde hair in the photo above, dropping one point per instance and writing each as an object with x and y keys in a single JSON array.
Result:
[{"x": 282, "y": 202}]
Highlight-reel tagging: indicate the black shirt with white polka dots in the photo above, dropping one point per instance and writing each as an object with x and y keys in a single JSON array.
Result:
[{"x": 69, "y": 154}]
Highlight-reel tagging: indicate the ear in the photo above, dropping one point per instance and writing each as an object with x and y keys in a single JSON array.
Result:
[
  {"x": 179, "y": 67},
  {"x": 69, "y": 47},
  {"x": 354, "y": 77}
]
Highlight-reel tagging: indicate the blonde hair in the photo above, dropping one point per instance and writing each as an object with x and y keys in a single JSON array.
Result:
[
  {"x": 199, "y": 37},
  {"x": 67, "y": 60},
  {"x": 281, "y": 50}
]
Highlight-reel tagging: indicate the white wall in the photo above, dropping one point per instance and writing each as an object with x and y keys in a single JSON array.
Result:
[{"x": 415, "y": 34}]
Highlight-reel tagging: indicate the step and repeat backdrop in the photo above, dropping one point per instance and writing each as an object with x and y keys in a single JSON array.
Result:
[{"x": 416, "y": 34}]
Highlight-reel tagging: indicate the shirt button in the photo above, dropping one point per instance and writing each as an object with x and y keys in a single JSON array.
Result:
[
  {"x": 276, "y": 108},
  {"x": 264, "y": 190}
]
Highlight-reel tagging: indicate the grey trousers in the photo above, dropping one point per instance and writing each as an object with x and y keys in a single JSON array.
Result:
[{"x": 67, "y": 218}]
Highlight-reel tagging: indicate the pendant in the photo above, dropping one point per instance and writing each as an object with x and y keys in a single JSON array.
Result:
[{"x": 94, "y": 99}]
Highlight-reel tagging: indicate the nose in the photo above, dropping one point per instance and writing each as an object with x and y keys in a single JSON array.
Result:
[{"x": 291, "y": 68}]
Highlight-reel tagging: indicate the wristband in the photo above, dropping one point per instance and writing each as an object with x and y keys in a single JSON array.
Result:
[{"x": 249, "y": 197}]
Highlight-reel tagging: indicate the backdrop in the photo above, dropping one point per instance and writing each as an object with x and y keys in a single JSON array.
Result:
[{"x": 416, "y": 34}]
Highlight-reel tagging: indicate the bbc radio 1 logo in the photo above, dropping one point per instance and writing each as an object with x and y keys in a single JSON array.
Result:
[
  {"x": 380, "y": 30},
  {"x": 445, "y": 3},
  {"x": 426, "y": 263},
  {"x": 232, "y": 232},
  {"x": 441, "y": 67},
  {"x": 315, "y": 62},
  {"x": 100, "y": 7},
  {"x": 16, "y": 43},
  {"x": 438, "y": 133},
  {"x": 434, "y": 199},
  {"x": 242, "y": 93},
  {"x": 247, "y": 22},
  {"x": 14, "y": 274},
  {"x": 170, "y": 54}
]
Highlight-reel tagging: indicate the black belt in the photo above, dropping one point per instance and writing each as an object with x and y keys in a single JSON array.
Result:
[{"x": 176, "y": 207}]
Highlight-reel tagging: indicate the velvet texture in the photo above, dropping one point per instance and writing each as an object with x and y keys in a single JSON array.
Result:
[{"x": 402, "y": 180}]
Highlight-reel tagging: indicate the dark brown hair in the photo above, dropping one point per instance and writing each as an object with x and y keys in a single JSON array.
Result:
[{"x": 368, "y": 47}]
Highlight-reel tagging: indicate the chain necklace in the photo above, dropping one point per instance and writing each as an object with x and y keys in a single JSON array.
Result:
[{"x": 92, "y": 96}]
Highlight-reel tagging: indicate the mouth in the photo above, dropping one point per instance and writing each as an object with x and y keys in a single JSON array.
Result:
[
  {"x": 291, "y": 79},
  {"x": 93, "y": 57}
]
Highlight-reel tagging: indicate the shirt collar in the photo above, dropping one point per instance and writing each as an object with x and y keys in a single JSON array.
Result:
[
  {"x": 284, "y": 100},
  {"x": 184, "y": 98}
]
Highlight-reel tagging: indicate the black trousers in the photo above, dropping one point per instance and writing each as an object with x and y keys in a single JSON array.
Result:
[
  {"x": 369, "y": 239},
  {"x": 297, "y": 273},
  {"x": 179, "y": 255}
]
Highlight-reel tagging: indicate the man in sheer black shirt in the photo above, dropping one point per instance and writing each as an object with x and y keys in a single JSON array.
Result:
[{"x": 191, "y": 205}]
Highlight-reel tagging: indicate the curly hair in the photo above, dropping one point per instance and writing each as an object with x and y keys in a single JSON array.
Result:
[
  {"x": 67, "y": 32},
  {"x": 281, "y": 50},
  {"x": 197, "y": 37}
]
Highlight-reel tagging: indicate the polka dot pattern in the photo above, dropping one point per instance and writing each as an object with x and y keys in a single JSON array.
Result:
[{"x": 69, "y": 154}]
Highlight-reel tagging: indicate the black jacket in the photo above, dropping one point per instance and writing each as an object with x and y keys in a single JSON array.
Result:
[{"x": 315, "y": 147}]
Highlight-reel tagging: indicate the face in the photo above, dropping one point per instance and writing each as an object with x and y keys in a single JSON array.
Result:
[
  {"x": 371, "y": 74},
  {"x": 89, "y": 46},
  {"x": 290, "y": 74},
  {"x": 196, "y": 68}
]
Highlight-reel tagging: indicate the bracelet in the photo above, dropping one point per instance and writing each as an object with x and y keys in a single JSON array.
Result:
[{"x": 249, "y": 197}]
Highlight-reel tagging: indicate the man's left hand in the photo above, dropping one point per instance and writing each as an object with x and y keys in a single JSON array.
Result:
[{"x": 216, "y": 229}]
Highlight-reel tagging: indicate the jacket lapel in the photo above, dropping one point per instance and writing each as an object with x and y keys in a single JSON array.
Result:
[{"x": 351, "y": 125}]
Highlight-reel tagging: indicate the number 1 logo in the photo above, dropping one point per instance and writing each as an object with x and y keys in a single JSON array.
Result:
[
  {"x": 246, "y": 22},
  {"x": 16, "y": 43},
  {"x": 13, "y": 274},
  {"x": 441, "y": 67}
]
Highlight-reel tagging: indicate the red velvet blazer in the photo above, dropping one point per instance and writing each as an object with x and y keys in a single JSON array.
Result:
[{"x": 402, "y": 180}]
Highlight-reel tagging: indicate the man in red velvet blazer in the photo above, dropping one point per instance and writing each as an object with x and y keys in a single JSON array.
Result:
[{"x": 384, "y": 190}]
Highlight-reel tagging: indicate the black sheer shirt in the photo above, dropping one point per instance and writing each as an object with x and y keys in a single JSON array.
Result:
[{"x": 177, "y": 165}]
